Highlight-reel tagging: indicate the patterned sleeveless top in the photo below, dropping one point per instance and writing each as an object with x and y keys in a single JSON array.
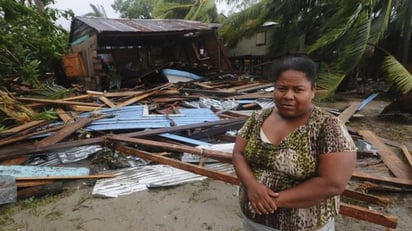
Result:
[{"x": 291, "y": 162}]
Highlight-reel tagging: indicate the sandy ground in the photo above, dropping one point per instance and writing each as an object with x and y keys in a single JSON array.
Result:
[{"x": 201, "y": 205}]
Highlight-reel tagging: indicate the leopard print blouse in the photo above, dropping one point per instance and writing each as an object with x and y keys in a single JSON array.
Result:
[{"x": 291, "y": 162}]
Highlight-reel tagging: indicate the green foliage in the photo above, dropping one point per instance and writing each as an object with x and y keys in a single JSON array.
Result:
[
  {"x": 340, "y": 34},
  {"x": 338, "y": 26},
  {"x": 354, "y": 44},
  {"x": 397, "y": 74},
  {"x": 329, "y": 80},
  {"x": 197, "y": 10},
  {"x": 98, "y": 11},
  {"x": 134, "y": 9},
  {"x": 30, "y": 41}
]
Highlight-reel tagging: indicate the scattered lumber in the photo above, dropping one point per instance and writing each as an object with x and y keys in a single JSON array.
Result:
[
  {"x": 407, "y": 154},
  {"x": 348, "y": 112},
  {"x": 23, "y": 127},
  {"x": 398, "y": 167},
  {"x": 178, "y": 164},
  {"x": 65, "y": 132},
  {"x": 217, "y": 155},
  {"x": 16, "y": 143},
  {"x": 365, "y": 214},
  {"x": 382, "y": 201},
  {"x": 58, "y": 102},
  {"x": 382, "y": 179}
]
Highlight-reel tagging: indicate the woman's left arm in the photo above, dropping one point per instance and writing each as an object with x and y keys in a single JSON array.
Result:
[{"x": 334, "y": 172}]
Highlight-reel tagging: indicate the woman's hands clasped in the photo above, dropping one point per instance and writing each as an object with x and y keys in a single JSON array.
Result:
[{"x": 261, "y": 198}]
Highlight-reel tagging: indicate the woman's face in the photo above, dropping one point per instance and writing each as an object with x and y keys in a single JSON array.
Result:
[{"x": 293, "y": 94}]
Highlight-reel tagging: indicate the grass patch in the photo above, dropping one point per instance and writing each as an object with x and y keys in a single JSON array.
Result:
[
  {"x": 204, "y": 186},
  {"x": 34, "y": 206}
]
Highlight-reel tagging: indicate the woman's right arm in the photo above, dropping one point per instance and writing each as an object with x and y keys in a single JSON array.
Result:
[{"x": 259, "y": 195}]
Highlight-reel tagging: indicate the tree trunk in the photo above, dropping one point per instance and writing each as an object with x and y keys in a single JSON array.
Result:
[{"x": 406, "y": 34}]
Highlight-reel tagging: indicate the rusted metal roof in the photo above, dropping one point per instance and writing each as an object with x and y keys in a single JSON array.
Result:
[{"x": 144, "y": 25}]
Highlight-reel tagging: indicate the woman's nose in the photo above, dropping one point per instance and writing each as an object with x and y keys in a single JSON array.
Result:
[{"x": 288, "y": 94}]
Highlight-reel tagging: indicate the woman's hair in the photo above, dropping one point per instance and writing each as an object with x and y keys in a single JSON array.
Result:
[{"x": 297, "y": 63}]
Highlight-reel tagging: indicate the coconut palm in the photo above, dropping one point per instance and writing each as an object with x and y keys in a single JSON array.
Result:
[
  {"x": 98, "y": 11},
  {"x": 197, "y": 10},
  {"x": 340, "y": 35}
]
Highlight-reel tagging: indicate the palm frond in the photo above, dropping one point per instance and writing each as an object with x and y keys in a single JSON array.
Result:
[
  {"x": 329, "y": 80},
  {"x": 397, "y": 74},
  {"x": 338, "y": 26},
  {"x": 165, "y": 9},
  {"x": 380, "y": 21},
  {"x": 248, "y": 21},
  {"x": 355, "y": 44}
]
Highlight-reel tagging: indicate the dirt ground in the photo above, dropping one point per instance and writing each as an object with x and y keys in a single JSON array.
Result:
[{"x": 202, "y": 205}]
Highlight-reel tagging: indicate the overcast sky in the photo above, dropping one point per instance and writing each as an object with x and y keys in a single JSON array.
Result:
[{"x": 81, "y": 7}]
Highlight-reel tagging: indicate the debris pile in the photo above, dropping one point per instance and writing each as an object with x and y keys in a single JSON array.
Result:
[{"x": 163, "y": 136}]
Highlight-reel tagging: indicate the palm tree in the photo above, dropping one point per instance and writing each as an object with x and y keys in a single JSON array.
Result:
[
  {"x": 134, "y": 8},
  {"x": 197, "y": 10},
  {"x": 340, "y": 35},
  {"x": 98, "y": 11}
]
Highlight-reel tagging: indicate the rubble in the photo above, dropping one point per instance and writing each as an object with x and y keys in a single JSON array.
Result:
[{"x": 162, "y": 125}]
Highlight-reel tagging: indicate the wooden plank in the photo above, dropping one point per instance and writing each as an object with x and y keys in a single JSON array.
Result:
[
  {"x": 173, "y": 99},
  {"x": 245, "y": 86},
  {"x": 14, "y": 139},
  {"x": 63, "y": 115},
  {"x": 23, "y": 127},
  {"x": 382, "y": 201},
  {"x": 398, "y": 167},
  {"x": 57, "y": 101},
  {"x": 137, "y": 98},
  {"x": 65, "y": 132},
  {"x": 368, "y": 215},
  {"x": 15, "y": 161},
  {"x": 30, "y": 183},
  {"x": 67, "y": 98},
  {"x": 30, "y": 148},
  {"x": 204, "y": 85},
  {"x": 144, "y": 95},
  {"x": 217, "y": 155},
  {"x": 407, "y": 154},
  {"x": 178, "y": 164},
  {"x": 254, "y": 88},
  {"x": 80, "y": 108},
  {"x": 384, "y": 140},
  {"x": 348, "y": 112},
  {"x": 255, "y": 95},
  {"x": 12, "y": 151},
  {"x": 217, "y": 130},
  {"x": 107, "y": 101},
  {"x": 113, "y": 94},
  {"x": 345, "y": 209},
  {"x": 382, "y": 179},
  {"x": 210, "y": 92},
  {"x": 372, "y": 187}
]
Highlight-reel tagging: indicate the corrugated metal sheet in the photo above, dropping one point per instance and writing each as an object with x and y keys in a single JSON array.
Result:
[
  {"x": 144, "y": 25},
  {"x": 133, "y": 117},
  {"x": 136, "y": 179}
]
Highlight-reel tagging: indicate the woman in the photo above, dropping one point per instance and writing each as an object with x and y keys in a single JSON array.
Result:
[{"x": 293, "y": 160}]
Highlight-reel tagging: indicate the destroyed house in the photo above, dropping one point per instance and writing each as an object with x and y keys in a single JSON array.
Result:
[{"x": 112, "y": 53}]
